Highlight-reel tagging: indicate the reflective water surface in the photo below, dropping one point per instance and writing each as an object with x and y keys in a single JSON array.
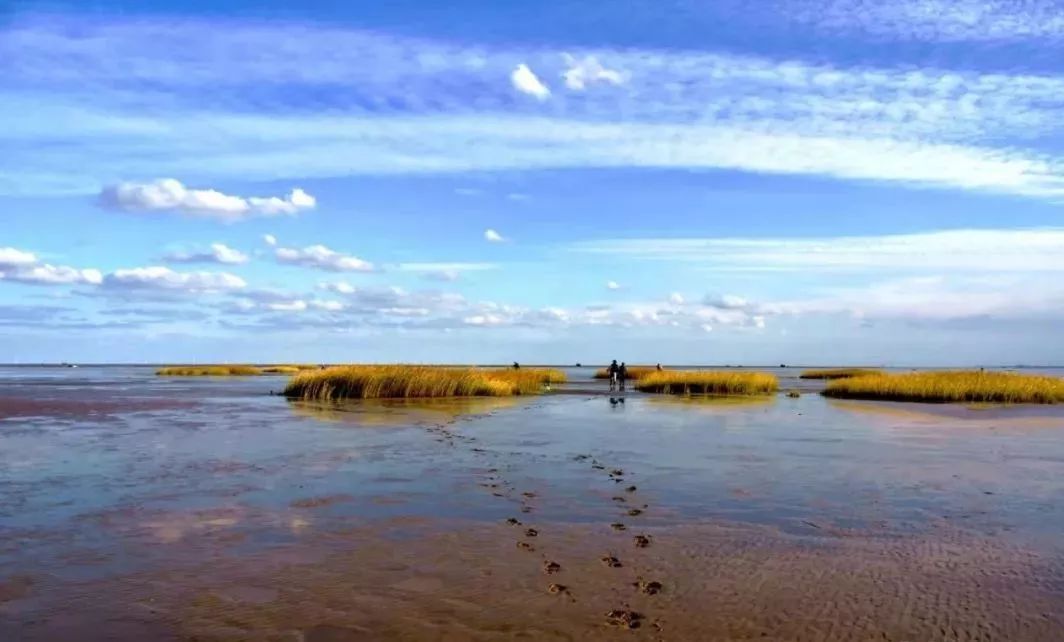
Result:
[{"x": 111, "y": 473}]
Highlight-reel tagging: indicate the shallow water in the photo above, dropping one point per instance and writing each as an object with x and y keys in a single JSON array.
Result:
[{"x": 110, "y": 472}]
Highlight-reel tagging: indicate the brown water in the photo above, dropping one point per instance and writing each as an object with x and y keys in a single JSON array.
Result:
[{"x": 134, "y": 507}]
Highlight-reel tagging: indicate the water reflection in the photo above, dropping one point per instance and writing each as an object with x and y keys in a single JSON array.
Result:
[
  {"x": 401, "y": 412},
  {"x": 711, "y": 404},
  {"x": 904, "y": 413}
]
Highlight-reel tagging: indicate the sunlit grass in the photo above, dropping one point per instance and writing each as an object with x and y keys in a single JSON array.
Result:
[
  {"x": 712, "y": 382},
  {"x": 288, "y": 369},
  {"x": 971, "y": 386},
  {"x": 634, "y": 372},
  {"x": 838, "y": 373},
  {"x": 401, "y": 381},
  {"x": 209, "y": 371}
]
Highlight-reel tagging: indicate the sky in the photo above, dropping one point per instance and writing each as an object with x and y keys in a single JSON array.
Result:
[{"x": 686, "y": 182}]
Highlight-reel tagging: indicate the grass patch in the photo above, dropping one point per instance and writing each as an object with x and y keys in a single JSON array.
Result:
[
  {"x": 711, "y": 382},
  {"x": 406, "y": 382},
  {"x": 838, "y": 373},
  {"x": 634, "y": 372},
  {"x": 209, "y": 371},
  {"x": 288, "y": 369},
  {"x": 963, "y": 386}
]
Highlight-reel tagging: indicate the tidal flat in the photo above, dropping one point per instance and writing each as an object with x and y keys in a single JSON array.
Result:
[{"x": 141, "y": 507}]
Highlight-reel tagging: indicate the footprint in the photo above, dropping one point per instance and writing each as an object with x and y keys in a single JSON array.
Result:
[
  {"x": 641, "y": 541},
  {"x": 557, "y": 588},
  {"x": 551, "y": 567},
  {"x": 611, "y": 561},
  {"x": 624, "y": 618},
  {"x": 631, "y": 489},
  {"x": 632, "y": 512},
  {"x": 531, "y": 532},
  {"x": 525, "y": 546},
  {"x": 648, "y": 588},
  {"x": 619, "y": 499},
  {"x": 617, "y": 526},
  {"x": 513, "y": 521}
]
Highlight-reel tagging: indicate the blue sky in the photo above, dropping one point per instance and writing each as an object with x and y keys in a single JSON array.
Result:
[{"x": 840, "y": 181}]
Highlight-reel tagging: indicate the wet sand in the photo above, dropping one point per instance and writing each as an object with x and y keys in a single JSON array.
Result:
[
  {"x": 437, "y": 580},
  {"x": 241, "y": 517}
]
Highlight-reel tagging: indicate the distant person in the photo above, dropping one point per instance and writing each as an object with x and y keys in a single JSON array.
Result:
[
  {"x": 658, "y": 367},
  {"x": 622, "y": 375},
  {"x": 613, "y": 371},
  {"x": 517, "y": 366}
]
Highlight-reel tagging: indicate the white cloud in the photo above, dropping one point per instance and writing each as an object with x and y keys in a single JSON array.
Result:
[
  {"x": 485, "y": 320},
  {"x": 444, "y": 271},
  {"x": 24, "y": 267},
  {"x": 988, "y": 250},
  {"x": 956, "y": 128},
  {"x": 340, "y": 287},
  {"x": 613, "y": 285},
  {"x": 45, "y": 274},
  {"x": 936, "y": 20},
  {"x": 526, "y": 82},
  {"x": 322, "y": 258},
  {"x": 492, "y": 236},
  {"x": 218, "y": 253},
  {"x": 269, "y": 239},
  {"x": 448, "y": 276},
  {"x": 676, "y": 298},
  {"x": 327, "y": 305},
  {"x": 287, "y": 306},
  {"x": 726, "y": 302},
  {"x": 11, "y": 258},
  {"x": 170, "y": 195},
  {"x": 160, "y": 278},
  {"x": 589, "y": 71}
]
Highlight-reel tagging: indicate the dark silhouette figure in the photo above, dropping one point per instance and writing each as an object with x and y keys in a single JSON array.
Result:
[
  {"x": 659, "y": 368},
  {"x": 517, "y": 366},
  {"x": 622, "y": 375},
  {"x": 613, "y": 371}
]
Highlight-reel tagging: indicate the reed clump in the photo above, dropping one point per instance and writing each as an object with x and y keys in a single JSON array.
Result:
[
  {"x": 209, "y": 371},
  {"x": 634, "y": 372},
  {"x": 402, "y": 381},
  {"x": 710, "y": 382},
  {"x": 838, "y": 373},
  {"x": 956, "y": 386},
  {"x": 288, "y": 369}
]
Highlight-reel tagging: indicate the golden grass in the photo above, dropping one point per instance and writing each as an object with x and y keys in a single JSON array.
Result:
[
  {"x": 634, "y": 372},
  {"x": 971, "y": 386},
  {"x": 713, "y": 382},
  {"x": 838, "y": 373},
  {"x": 288, "y": 369},
  {"x": 392, "y": 382},
  {"x": 209, "y": 371}
]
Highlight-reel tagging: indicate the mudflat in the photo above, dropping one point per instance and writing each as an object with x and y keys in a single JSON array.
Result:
[{"x": 229, "y": 514}]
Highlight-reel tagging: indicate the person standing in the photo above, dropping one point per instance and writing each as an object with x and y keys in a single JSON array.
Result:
[
  {"x": 622, "y": 375},
  {"x": 613, "y": 371}
]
